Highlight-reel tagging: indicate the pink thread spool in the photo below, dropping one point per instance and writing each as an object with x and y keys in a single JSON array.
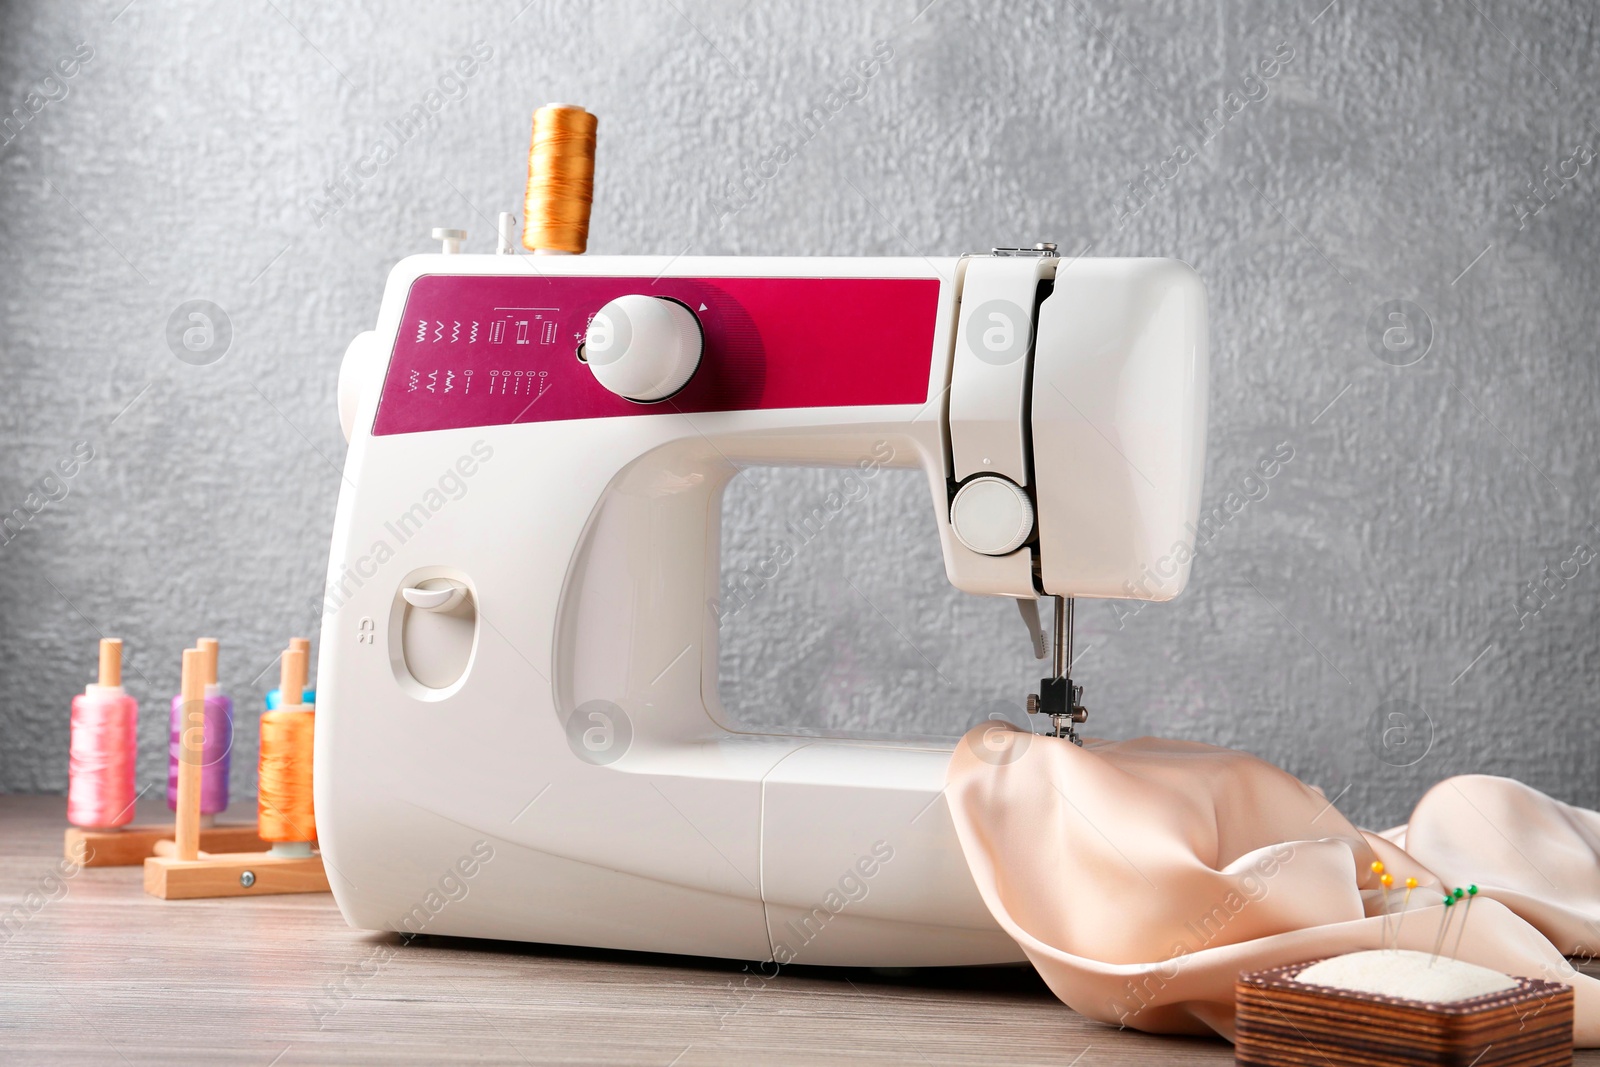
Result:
[
  {"x": 215, "y": 756},
  {"x": 105, "y": 736}
]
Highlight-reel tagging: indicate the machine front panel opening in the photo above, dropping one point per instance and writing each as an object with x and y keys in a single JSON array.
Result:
[{"x": 844, "y": 563}]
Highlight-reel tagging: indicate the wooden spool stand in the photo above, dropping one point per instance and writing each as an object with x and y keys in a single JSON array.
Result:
[
  {"x": 180, "y": 870},
  {"x": 133, "y": 845},
  {"x": 129, "y": 845}
]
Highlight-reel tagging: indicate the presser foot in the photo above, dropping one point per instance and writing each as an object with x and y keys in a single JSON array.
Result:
[
  {"x": 1057, "y": 697},
  {"x": 1060, "y": 699}
]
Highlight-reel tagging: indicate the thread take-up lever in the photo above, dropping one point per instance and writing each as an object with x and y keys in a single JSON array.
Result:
[{"x": 1058, "y": 697}]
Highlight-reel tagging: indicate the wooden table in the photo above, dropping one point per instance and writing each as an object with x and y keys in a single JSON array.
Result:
[{"x": 105, "y": 974}]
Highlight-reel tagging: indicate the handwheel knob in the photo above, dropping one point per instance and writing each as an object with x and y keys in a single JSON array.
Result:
[{"x": 991, "y": 515}]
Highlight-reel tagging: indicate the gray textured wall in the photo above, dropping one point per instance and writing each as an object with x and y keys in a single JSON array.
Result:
[{"x": 1389, "y": 157}]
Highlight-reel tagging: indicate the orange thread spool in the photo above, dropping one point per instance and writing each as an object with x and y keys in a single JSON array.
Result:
[
  {"x": 285, "y": 809},
  {"x": 285, "y": 812},
  {"x": 560, "y": 180}
]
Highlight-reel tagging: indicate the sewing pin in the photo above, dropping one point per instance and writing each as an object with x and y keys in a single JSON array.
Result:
[
  {"x": 1444, "y": 924},
  {"x": 1472, "y": 891},
  {"x": 1411, "y": 883},
  {"x": 1385, "y": 881}
]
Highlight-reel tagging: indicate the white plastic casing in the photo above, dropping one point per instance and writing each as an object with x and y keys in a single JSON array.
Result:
[
  {"x": 1119, "y": 427},
  {"x": 1117, "y": 416},
  {"x": 989, "y": 375},
  {"x": 362, "y": 367},
  {"x": 590, "y": 549}
]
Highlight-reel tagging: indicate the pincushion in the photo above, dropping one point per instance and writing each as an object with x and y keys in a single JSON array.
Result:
[{"x": 1399, "y": 1007}]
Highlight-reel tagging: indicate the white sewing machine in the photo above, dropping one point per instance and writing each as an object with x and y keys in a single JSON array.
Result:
[{"x": 519, "y": 734}]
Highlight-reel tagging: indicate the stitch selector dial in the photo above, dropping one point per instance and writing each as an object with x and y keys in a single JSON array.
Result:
[{"x": 643, "y": 348}]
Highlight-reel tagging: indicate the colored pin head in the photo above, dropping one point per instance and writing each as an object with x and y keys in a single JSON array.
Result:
[
  {"x": 1472, "y": 890},
  {"x": 1411, "y": 883},
  {"x": 1385, "y": 880},
  {"x": 1458, "y": 894},
  {"x": 1449, "y": 900}
]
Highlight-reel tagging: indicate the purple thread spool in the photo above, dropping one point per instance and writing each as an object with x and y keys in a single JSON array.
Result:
[{"x": 214, "y": 758}]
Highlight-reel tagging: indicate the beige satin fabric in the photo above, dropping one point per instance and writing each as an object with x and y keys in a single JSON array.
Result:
[{"x": 1142, "y": 877}]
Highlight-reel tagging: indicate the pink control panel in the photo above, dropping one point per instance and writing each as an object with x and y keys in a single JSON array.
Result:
[{"x": 477, "y": 350}]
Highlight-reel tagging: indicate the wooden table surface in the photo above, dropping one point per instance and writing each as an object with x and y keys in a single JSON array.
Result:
[{"x": 102, "y": 973}]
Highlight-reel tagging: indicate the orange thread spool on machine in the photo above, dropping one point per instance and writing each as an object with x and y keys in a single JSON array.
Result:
[
  {"x": 180, "y": 870},
  {"x": 556, "y": 206},
  {"x": 560, "y": 180}
]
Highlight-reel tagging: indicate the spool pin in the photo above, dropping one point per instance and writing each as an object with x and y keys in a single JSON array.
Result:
[
  {"x": 216, "y": 761},
  {"x": 307, "y": 696}
]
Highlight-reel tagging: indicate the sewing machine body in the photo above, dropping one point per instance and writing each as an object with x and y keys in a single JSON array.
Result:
[{"x": 519, "y": 645}]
